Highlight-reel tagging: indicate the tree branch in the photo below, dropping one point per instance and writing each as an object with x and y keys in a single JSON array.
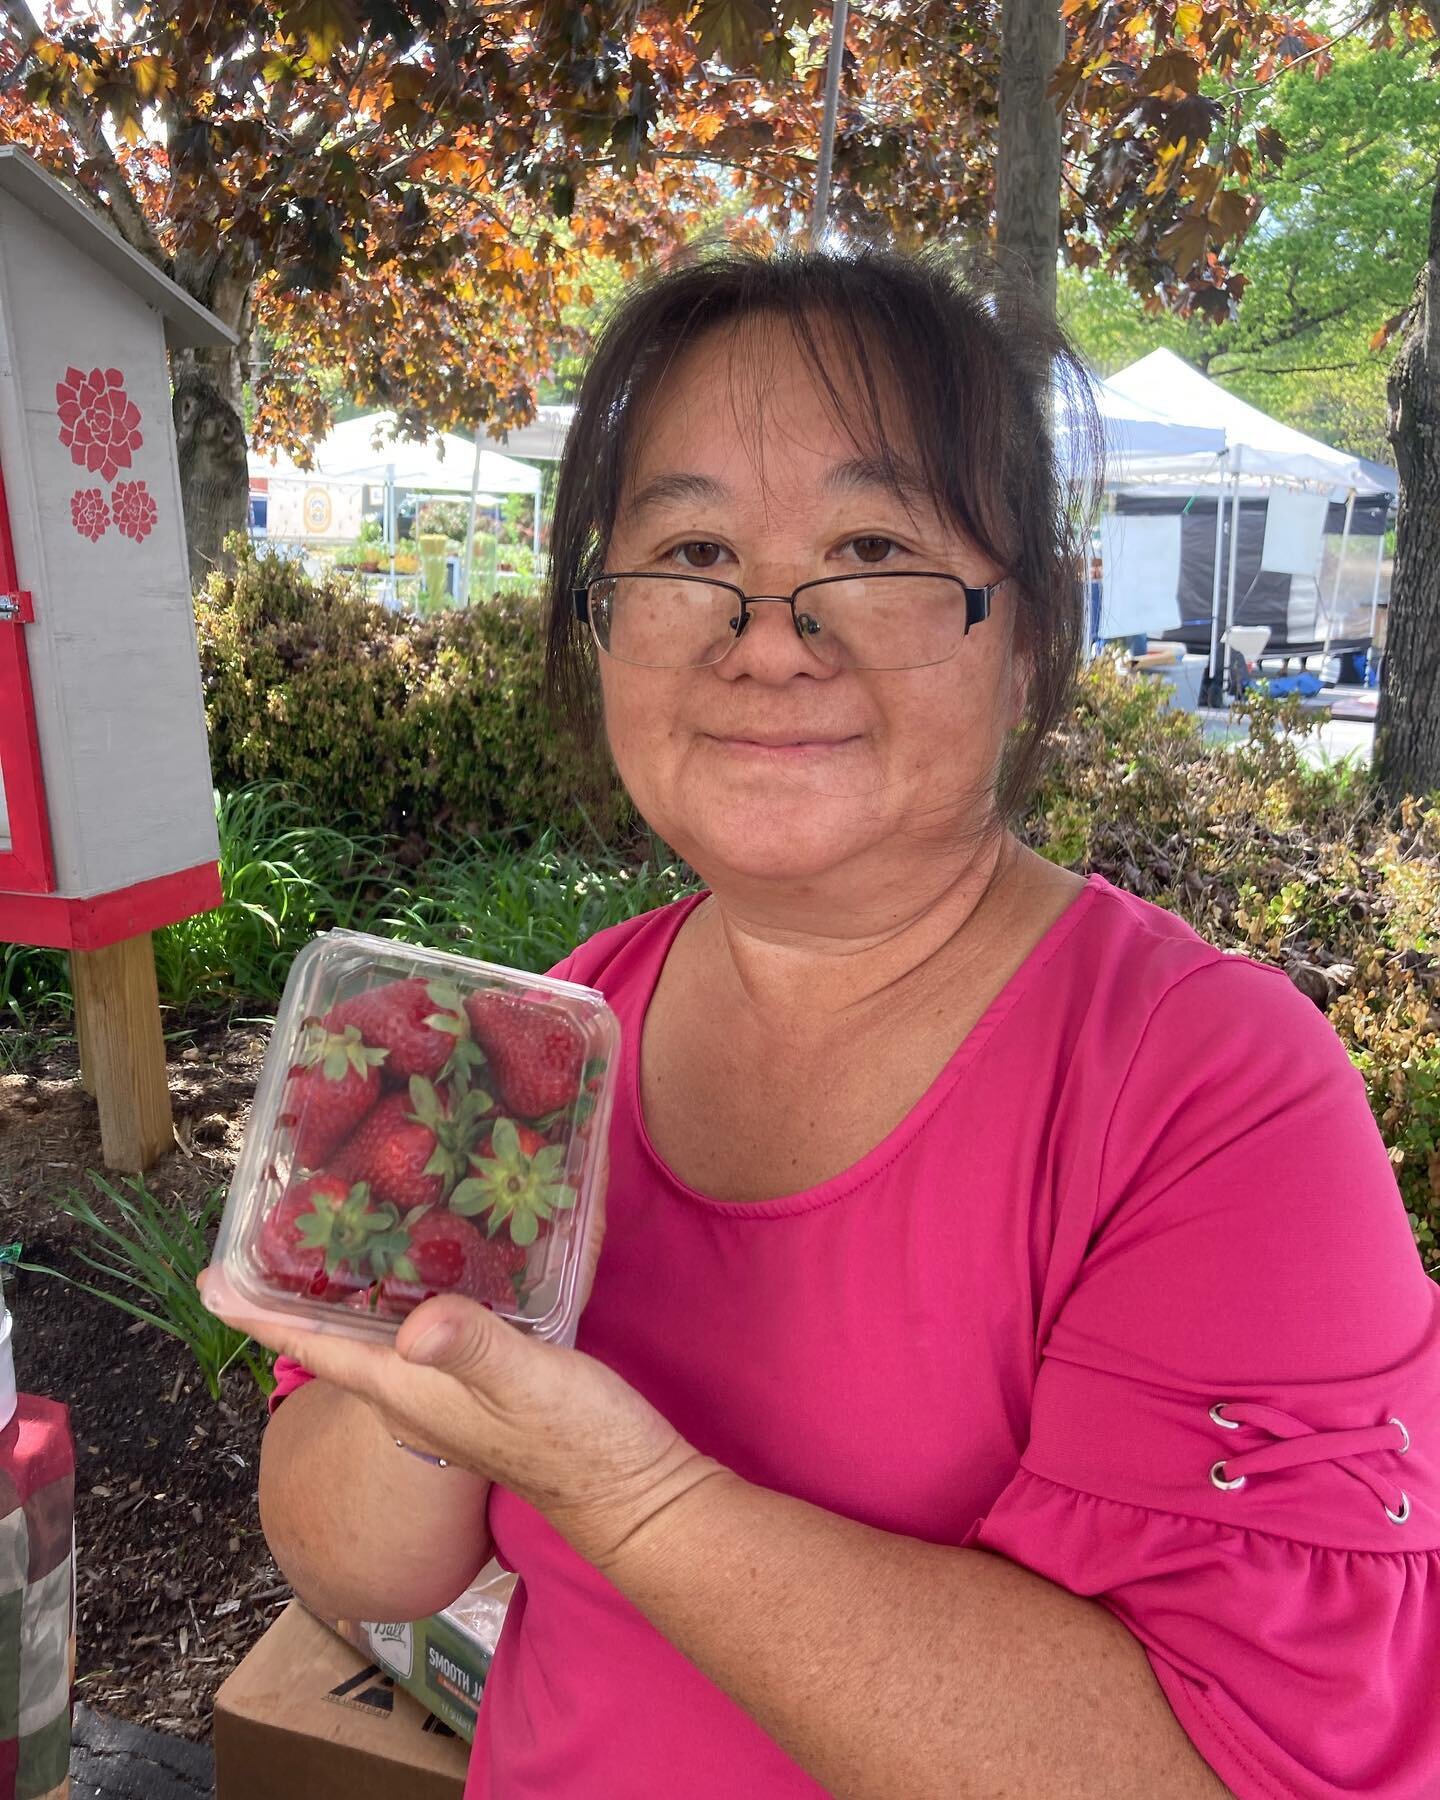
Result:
[{"x": 118, "y": 197}]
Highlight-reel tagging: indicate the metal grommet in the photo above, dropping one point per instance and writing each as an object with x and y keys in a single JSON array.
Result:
[
  {"x": 1404, "y": 1433},
  {"x": 1229, "y": 1424},
  {"x": 1404, "y": 1512},
  {"x": 1218, "y": 1478}
]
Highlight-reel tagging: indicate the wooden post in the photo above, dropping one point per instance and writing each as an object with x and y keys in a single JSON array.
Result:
[
  {"x": 124, "y": 1049},
  {"x": 82, "y": 1037}
]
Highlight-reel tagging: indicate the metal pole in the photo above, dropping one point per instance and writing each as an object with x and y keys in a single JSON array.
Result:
[
  {"x": 1339, "y": 567},
  {"x": 1372, "y": 661},
  {"x": 838, "y": 15},
  {"x": 1234, "y": 557},
  {"x": 1214, "y": 694},
  {"x": 469, "y": 561},
  {"x": 391, "y": 528}
]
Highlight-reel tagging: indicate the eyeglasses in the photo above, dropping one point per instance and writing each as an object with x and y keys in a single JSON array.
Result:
[{"x": 908, "y": 619}]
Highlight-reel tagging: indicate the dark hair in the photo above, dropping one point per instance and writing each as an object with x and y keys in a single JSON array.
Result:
[{"x": 976, "y": 368}]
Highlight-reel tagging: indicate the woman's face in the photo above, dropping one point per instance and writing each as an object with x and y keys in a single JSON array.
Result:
[{"x": 771, "y": 763}]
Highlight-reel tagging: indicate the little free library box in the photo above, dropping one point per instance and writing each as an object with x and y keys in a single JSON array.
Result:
[{"x": 107, "y": 817}]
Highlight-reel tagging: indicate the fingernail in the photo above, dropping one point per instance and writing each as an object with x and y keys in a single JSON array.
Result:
[{"x": 431, "y": 1345}]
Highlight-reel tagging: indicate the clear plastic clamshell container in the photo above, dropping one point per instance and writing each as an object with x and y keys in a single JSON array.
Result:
[{"x": 423, "y": 1124}]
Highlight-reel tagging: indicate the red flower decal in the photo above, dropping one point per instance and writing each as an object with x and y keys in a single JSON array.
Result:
[
  {"x": 135, "y": 511},
  {"x": 90, "y": 514},
  {"x": 99, "y": 422}
]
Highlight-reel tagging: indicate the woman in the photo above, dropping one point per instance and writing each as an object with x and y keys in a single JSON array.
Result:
[{"x": 1009, "y": 1370}]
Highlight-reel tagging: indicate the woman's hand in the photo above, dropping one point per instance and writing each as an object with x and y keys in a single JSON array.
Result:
[{"x": 554, "y": 1426}]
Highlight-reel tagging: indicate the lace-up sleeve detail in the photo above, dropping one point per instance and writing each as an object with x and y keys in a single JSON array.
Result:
[{"x": 1235, "y": 1430}]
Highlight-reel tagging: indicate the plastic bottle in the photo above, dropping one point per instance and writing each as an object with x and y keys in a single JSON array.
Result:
[{"x": 37, "y": 1563}]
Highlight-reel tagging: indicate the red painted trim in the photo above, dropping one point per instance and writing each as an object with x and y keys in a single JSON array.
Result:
[
  {"x": 56, "y": 923},
  {"x": 27, "y": 867}
]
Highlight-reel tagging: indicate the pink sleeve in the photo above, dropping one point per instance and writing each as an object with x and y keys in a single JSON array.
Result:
[
  {"x": 1250, "y": 1253},
  {"x": 290, "y": 1374}
]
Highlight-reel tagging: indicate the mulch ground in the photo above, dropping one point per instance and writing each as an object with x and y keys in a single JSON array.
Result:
[{"x": 174, "y": 1580}]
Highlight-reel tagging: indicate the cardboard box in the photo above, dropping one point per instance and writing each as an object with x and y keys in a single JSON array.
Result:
[
  {"x": 306, "y": 1717},
  {"x": 443, "y": 1660}
]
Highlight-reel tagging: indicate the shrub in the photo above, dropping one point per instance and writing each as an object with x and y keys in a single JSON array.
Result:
[
  {"x": 413, "y": 725},
  {"x": 1263, "y": 853}
]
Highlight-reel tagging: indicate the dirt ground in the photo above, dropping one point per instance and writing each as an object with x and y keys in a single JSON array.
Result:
[{"x": 174, "y": 1579}]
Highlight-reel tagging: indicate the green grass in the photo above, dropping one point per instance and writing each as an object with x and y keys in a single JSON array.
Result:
[
  {"x": 287, "y": 878},
  {"x": 149, "y": 1252}
]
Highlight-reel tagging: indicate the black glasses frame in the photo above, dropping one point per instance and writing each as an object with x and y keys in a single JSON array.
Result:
[{"x": 977, "y": 600}]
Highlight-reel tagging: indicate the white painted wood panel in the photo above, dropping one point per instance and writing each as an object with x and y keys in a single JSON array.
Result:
[{"x": 112, "y": 652}]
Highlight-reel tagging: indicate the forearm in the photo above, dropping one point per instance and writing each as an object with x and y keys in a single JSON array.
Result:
[
  {"x": 896, "y": 1670},
  {"x": 359, "y": 1528}
]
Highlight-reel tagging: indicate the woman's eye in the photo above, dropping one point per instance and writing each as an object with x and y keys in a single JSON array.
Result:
[
  {"x": 698, "y": 555},
  {"x": 872, "y": 549}
]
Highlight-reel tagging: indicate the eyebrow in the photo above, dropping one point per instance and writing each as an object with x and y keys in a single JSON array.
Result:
[{"x": 892, "y": 475}]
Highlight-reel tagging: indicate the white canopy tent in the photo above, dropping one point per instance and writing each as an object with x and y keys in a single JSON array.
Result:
[
  {"x": 367, "y": 449},
  {"x": 1135, "y": 436},
  {"x": 1261, "y": 457},
  {"x": 1256, "y": 445}
]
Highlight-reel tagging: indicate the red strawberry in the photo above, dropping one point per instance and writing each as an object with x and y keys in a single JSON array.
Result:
[
  {"x": 414, "y": 1146},
  {"x": 416, "y": 1022},
  {"x": 516, "y": 1180},
  {"x": 535, "y": 1053},
  {"x": 322, "y": 1238},
  {"x": 447, "y": 1255},
  {"x": 334, "y": 1082}
]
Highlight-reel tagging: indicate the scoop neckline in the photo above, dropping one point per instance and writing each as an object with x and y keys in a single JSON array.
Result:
[{"x": 901, "y": 1136}]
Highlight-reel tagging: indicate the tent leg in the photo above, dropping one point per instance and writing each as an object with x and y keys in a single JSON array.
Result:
[
  {"x": 1213, "y": 691},
  {"x": 535, "y": 530},
  {"x": 1339, "y": 570},
  {"x": 1230, "y": 580}
]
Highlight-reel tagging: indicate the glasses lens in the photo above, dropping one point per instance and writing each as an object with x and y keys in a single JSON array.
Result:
[
  {"x": 883, "y": 621},
  {"x": 663, "y": 621}
]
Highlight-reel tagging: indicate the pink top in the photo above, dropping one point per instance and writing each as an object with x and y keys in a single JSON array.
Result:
[{"x": 1147, "y": 1183}]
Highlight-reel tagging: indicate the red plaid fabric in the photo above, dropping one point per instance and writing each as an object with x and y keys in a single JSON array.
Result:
[{"x": 37, "y": 1600}]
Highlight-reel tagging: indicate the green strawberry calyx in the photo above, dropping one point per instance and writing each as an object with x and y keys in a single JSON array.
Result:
[
  {"x": 523, "y": 1191},
  {"x": 467, "y": 1056},
  {"x": 370, "y": 1239},
  {"x": 337, "y": 1053},
  {"x": 455, "y": 1128}
]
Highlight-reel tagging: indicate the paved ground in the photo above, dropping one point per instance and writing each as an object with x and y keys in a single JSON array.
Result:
[{"x": 112, "y": 1760}]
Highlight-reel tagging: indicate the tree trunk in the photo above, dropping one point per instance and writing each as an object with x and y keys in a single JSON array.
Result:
[
  {"x": 1407, "y": 725},
  {"x": 1027, "y": 154},
  {"x": 209, "y": 426}
]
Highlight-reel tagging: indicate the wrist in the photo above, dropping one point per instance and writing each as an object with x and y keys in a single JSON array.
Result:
[{"x": 649, "y": 1518}]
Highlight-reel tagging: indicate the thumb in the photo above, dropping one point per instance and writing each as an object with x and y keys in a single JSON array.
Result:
[{"x": 457, "y": 1336}]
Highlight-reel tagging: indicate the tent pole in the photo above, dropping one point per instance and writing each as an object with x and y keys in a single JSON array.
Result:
[
  {"x": 1214, "y": 693},
  {"x": 1339, "y": 567},
  {"x": 391, "y": 528},
  {"x": 469, "y": 561},
  {"x": 1375, "y": 590},
  {"x": 1230, "y": 583},
  {"x": 535, "y": 530}
]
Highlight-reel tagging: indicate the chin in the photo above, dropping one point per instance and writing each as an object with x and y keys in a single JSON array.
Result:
[{"x": 769, "y": 839}]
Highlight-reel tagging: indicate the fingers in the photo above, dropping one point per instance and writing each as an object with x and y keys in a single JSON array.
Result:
[
  {"x": 457, "y": 1337},
  {"x": 329, "y": 1354}
]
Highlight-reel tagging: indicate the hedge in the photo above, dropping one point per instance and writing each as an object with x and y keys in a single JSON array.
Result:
[{"x": 413, "y": 726}]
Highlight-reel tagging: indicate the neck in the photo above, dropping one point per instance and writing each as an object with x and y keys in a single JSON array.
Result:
[{"x": 803, "y": 958}]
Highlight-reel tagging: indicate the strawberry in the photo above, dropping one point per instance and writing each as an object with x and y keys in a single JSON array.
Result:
[
  {"x": 414, "y": 1146},
  {"x": 417, "y": 1023},
  {"x": 334, "y": 1082},
  {"x": 323, "y": 1238},
  {"x": 447, "y": 1255},
  {"x": 515, "y": 1181},
  {"x": 536, "y": 1054}
]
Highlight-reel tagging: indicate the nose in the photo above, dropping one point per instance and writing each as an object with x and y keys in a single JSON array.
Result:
[{"x": 770, "y": 647}]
